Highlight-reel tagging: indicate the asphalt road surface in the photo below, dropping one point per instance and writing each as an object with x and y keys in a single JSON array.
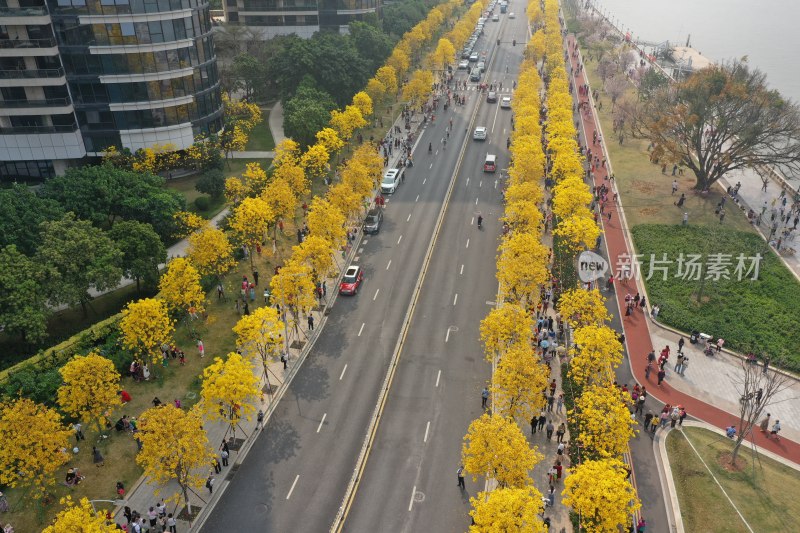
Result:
[
  {"x": 409, "y": 483},
  {"x": 296, "y": 473}
]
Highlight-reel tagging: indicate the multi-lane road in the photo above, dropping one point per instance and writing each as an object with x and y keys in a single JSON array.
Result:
[{"x": 297, "y": 472}]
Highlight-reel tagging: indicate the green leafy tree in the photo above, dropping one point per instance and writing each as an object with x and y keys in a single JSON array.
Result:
[
  {"x": 23, "y": 211},
  {"x": 105, "y": 194},
  {"x": 76, "y": 257},
  {"x": 308, "y": 112},
  {"x": 22, "y": 306},
  {"x": 142, "y": 251}
]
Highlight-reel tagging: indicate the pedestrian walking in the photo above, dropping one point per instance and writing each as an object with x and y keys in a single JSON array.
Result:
[
  {"x": 484, "y": 397},
  {"x": 661, "y": 374},
  {"x": 562, "y": 429},
  {"x": 78, "y": 428},
  {"x": 260, "y": 419},
  {"x": 97, "y": 457},
  {"x": 172, "y": 524},
  {"x": 310, "y": 322},
  {"x": 550, "y": 428},
  {"x": 460, "y": 475},
  {"x": 764, "y": 425}
]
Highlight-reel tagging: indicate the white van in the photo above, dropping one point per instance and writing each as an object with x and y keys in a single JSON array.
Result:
[{"x": 391, "y": 180}]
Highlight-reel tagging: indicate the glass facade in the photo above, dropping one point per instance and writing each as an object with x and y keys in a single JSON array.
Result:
[{"x": 90, "y": 63}]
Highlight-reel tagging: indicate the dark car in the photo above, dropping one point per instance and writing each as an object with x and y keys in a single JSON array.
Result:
[
  {"x": 372, "y": 224},
  {"x": 352, "y": 280}
]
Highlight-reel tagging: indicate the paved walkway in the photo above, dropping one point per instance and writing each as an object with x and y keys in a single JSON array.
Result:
[
  {"x": 276, "y": 123},
  {"x": 638, "y": 328},
  {"x": 253, "y": 155}
]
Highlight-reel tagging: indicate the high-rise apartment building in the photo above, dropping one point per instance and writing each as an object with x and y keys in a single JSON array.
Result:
[
  {"x": 77, "y": 76},
  {"x": 268, "y": 18}
]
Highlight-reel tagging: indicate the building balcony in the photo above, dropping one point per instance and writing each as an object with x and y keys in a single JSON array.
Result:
[
  {"x": 49, "y": 102},
  {"x": 22, "y": 16},
  {"x": 32, "y": 73},
  {"x": 50, "y": 106},
  {"x": 28, "y": 130},
  {"x": 28, "y": 47}
]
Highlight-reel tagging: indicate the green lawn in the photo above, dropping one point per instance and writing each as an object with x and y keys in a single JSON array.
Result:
[
  {"x": 186, "y": 186},
  {"x": 747, "y": 314},
  {"x": 261, "y": 136},
  {"x": 765, "y": 493}
]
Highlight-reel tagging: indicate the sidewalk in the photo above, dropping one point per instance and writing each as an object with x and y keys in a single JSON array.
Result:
[
  {"x": 641, "y": 338},
  {"x": 752, "y": 196}
]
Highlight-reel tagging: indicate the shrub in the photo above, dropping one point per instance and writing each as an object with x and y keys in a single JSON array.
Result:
[
  {"x": 202, "y": 203},
  {"x": 762, "y": 315}
]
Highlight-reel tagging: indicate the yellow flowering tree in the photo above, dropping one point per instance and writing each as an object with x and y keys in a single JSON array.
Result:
[
  {"x": 91, "y": 386},
  {"x": 522, "y": 266},
  {"x": 518, "y": 383},
  {"x": 80, "y": 516},
  {"x": 145, "y": 326},
  {"x": 495, "y": 447},
  {"x": 34, "y": 445},
  {"x": 503, "y": 327},
  {"x": 329, "y": 138},
  {"x": 174, "y": 447},
  {"x": 326, "y": 221},
  {"x": 180, "y": 287},
  {"x": 261, "y": 332},
  {"x": 211, "y": 252},
  {"x": 228, "y": 390},
  {"x": 579, "y": 307},
  {"x": 507, "y": 509},
  {"x": 602, "y": 412},
  {"x": 601, "y": 493},
  {"x": 597, "y": 353},
  {"x": 250, "y": 221}
]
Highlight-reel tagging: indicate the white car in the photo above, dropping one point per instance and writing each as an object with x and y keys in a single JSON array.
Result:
[
  {"x": 505, "y": 102},
  {"x": 512, "y": 16},
  {"x": 391, "y": 180},
  {"x": 480, "y": 133},
  {"x": 463, "y": 64}
]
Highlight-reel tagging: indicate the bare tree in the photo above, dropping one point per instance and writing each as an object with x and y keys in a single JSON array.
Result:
[
  {"x": 722, "y": 118},
  {"x": 616, "y": 87},
  {"x": 758, "y": 390}
]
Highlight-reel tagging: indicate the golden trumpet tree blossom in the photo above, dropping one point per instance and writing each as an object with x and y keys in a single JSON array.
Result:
[
  {"x": 174, "y": 446},
  {"x": 34, "y": 446},
  {"x": 518, "y": 383},
  {"x": 211, "y": 252},
  {"x": 604, "y": 416},
  {"x": 504, "y": 327},
  {"x": 80, "y": 517},
  {"x": 494, "y": 446},
  {"x": 597, "y": 353},
  {"x": 229, "y": 388},
  {"x": 579, "y": 307},
  {"x": 602, "y": 494},
  {"x": 145, "y": 326},
  {"x": 91, "y": 387},
  {"x": 180, "y": 287},
  {"x": 508, "y": 509}
]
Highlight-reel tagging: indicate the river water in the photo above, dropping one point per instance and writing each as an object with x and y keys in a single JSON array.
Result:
[{"x": 763, "y": 30}]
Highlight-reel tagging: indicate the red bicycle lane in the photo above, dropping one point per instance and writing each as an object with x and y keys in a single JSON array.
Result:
[{"x": 636, "y": 328}]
